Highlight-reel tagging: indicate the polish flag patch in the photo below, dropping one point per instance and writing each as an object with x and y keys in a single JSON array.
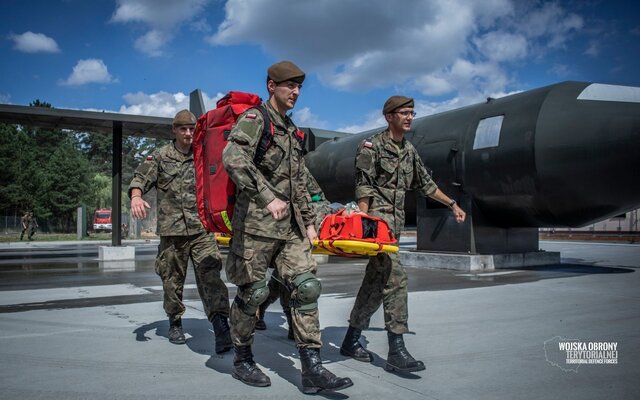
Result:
[
  {"x": 367, "y": 144},
  {"x": 149, "y": 158},
  {"x": 251, "y": 116}
]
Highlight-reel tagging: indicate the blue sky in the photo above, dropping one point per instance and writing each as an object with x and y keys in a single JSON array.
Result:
[{"x": 146, "y": 56}]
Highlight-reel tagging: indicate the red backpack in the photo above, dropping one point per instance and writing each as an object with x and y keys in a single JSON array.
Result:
[{"x": 215, "y": 191}]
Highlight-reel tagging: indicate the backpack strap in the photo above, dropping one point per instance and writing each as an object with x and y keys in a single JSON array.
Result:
[{"x": 268, "y": 130}]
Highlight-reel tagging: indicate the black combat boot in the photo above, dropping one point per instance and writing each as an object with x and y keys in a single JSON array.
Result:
[
  {"x": 176, "y": 335},
  {"x": 315, "y": 377},
  {"x": 245, "y": 369},
  {"x": 290, "y": 335},
  {"x": 223, "y": 334},
  {"x": 351, "y": 346},
  {"x": 399, "y": 358}
]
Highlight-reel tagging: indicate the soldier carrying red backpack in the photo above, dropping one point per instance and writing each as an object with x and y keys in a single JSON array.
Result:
[{"x": 272, "y": 221}]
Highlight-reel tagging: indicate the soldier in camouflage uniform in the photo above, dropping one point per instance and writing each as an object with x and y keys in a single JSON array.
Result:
[
  {"x": 320, "y": 208},
  {"x": 182, "y": 236},
  {"x": 273, "y": 224},
  {"x": 25, "y": 222},
  {"x": 387, "y": 165}
]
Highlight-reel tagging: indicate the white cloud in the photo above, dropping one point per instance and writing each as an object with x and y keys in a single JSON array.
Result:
[
  {"x": 162, "y": 17},
  {"x": 437, "y": 47},
  {"x": 162, "y": 104},
  {"x": 502, "y": 46},
  {"x": 152, "y": 42},
  {"x": 373, "y": 119},
  {"x": 5, "y": 98},
  {"x": 91, "y": 70},
  {"x": 30, "y": 42},
  {"x": 304, "y": 117},
  {"x": 550, "y": 23},
  {"x": 594, "y": 49}
]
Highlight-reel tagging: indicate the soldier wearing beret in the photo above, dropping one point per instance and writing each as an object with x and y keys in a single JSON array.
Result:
[
  {"x": 182, "y": 236},
  {"x": 274, "y": 225},
  {"x": 387, "y": 165}
]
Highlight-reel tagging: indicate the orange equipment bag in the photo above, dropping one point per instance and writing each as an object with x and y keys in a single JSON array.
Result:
[{"x": 353, "y": 226}]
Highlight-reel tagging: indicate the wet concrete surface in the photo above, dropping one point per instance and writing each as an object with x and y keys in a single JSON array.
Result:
[{"x": 74, "y": 327}]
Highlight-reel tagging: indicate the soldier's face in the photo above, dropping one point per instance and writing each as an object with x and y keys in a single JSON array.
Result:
[
  {"x": 184, "y": 134},
  {"x": 286, "y": 94},
  {"x": 400, "y": 120}
]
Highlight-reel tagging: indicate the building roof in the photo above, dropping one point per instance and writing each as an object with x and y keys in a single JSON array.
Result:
[{"x": 86, "y": 121}]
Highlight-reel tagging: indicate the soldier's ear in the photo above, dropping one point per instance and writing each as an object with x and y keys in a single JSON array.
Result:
[{"x": 271, "y": 86}]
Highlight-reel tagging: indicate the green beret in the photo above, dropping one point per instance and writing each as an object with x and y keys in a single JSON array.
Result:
[
  {"x": 285, "y": 71},
  {"x": 395, "y": 102},
  {"x": 184, "y": 117}
]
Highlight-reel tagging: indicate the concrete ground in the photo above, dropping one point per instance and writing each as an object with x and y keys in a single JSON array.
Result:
[{"x": 75, "y": 328}]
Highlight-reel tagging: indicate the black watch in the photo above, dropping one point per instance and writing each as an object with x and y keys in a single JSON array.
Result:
[{"x": 451, "y": 204}]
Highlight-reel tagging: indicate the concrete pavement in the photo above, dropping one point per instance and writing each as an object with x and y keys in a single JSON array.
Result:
[{"x": 71, "y": 329}]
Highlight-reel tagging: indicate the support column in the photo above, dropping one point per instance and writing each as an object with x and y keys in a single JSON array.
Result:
[{"x": 116, "y": 185}]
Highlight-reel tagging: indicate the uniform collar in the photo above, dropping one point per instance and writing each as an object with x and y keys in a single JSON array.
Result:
[
  {"x": 277, "y": 118},
  {"x": 390, "y": 145},
  {"x": 177, "y": 154}
]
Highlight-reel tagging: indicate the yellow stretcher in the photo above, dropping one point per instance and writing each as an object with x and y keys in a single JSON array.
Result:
[{"x": 338, "y": 247}]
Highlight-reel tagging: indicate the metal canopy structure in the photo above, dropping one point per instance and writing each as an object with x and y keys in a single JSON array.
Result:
[
  {"x": 86, "y": 121},
  {"x": 117, "y": 125}
]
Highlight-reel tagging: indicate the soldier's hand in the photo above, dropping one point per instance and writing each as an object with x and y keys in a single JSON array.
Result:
[
  {"x": 458, "y": 213},
  {"x": 311, "y": 233},
  {"x": 278, "y": 208},
  {"x": 139, "y": 207}
]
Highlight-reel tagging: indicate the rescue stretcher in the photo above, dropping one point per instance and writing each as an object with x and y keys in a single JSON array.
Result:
[{"x": 347, "y": 248}]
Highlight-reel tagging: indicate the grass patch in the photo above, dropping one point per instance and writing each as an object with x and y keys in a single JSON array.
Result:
[{"x": 52, "y": 237}]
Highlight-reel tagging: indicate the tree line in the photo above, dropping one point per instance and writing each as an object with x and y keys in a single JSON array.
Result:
[{"x": 53, "y": 172}]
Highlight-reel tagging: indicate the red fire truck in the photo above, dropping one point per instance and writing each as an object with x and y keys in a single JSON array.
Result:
[{"x": 102, "y": 220}]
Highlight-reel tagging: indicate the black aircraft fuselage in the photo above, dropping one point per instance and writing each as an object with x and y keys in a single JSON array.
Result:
[{"x": 564, "y": 155}]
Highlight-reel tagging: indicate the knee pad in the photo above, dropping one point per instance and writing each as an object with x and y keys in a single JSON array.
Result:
[
  {"x": 257, "y": 293},
  {"x": 307, "y": 289}
]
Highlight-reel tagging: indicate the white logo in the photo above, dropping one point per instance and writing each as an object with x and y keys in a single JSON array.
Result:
[{"x": 569, "y": 354}]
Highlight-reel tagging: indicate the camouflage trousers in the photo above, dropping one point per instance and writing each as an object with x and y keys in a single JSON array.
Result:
[
  {"x": 174, "y": 253},
  {"x": 384, "y": 282},
  {"x": 278, "y": 290},
  {"x": 248, "y": 261}
]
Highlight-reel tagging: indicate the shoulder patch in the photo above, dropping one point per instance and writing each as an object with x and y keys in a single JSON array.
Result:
[
  {"x": 367, "y": 144},
  {"x": 149, "y": 157},
  {"x": 251, "y": 115}
]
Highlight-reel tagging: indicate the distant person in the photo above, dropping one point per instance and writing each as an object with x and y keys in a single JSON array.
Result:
[
  {"x": 387, "y": 165},
  {"x": 25, "y": 223},
  {"x": 320, "y": 208},
  {"x": 273, "y": 224},
  {"x": 125, "y": 230},
  {"x": 33, "y": 226},
  {"x": 170, "y": 170}
]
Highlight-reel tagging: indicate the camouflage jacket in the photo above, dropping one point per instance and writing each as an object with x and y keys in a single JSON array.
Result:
[
  {"x": 319, "y": 204},
  {"x": 384, "y": 172},
  {"x": 280, "y": 174},
  {"x": 25, "y": 221},
  {"x": 173, "y": 175}
]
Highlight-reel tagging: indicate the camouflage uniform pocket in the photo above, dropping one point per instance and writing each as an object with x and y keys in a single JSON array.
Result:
[
  {"x": 167, "y": 174},
  {"x": 272, "y": 158},
  {"x": 161, "y": 264},
  {"x": 239, "y": 268}
]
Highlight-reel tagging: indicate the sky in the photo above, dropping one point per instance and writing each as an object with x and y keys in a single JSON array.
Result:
[{"x": 146, "y": 56}]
